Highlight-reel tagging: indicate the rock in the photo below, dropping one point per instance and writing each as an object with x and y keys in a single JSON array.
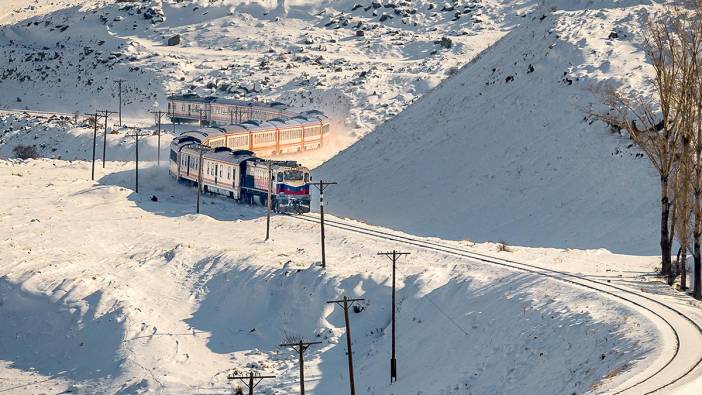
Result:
[
  {"x": 360, "y": 33},
  {"x": 154, "y": 198},
  {"x": 530, "y": 69},
  {"x": 376, "y": 4},
  {"x": 385, "y": 17},
  {"x": 613, "y": 35},
  {"x": 446, "y": 42},
  {"x": 175, "y": 40}
]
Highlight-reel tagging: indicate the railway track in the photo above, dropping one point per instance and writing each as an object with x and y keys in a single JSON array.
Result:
[{"x": 677, "y": 359}]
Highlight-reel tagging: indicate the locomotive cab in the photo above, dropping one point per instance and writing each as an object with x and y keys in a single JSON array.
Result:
[{"x": 292, "y": 190}]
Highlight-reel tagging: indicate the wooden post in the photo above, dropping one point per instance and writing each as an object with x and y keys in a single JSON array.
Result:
[
  {"x": 394, "y": 256},
  {"x": 321, "y": 185},
  {"x": 251, "y": 384},
  {"x": 199, "y": 181},
  {"x": 270, "y": 190},
  {"x": 92, "y": 174},
  {"x": 346, "y": 305},
  {"x": 301, "y": 347},
  {"x": 104, "y": 136},
  {"x": 120, "y": 100}
]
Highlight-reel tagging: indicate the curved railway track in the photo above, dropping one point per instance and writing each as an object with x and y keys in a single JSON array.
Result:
[{"x": 675, "y": 366}]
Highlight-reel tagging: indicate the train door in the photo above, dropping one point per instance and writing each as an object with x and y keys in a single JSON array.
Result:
[
  {"x": 187, "y": 172},
  {"x": 215, "y": 171}
]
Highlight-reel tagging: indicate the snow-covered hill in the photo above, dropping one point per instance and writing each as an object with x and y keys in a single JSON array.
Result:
[
  {"x": 503, "y": 149},
  {"x": 361, "y": 62},
  {"x": 103, "y": 290}
]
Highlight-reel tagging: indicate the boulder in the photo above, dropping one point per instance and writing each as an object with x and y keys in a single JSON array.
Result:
[{"x": 175, "y": 40}]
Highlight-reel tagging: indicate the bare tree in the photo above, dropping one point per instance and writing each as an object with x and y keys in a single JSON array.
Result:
[
  {"x": 692, "y": 39},
  {"x": 653, "y": 123}
]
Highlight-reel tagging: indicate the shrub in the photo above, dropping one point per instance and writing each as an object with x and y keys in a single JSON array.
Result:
[
  {"x": 502, "y": 246},
  {"x": 26, "y": 152}
]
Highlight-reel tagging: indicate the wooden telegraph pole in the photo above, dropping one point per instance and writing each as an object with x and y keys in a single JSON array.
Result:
[
  {"x": 253, "y": 380},
  {"x": 95, "y": 126},
  {"x": 158, "y": 115},
  {"x": 270, "y": 190},
  {"x": 202, "y": 149},
  {"x": 345, "y": 303},
  {"x": 119, "y": 82},
  {"x": 137, "y": 133},
  {"x": 105, "y": 114},
  {"x": 321, "y": 186},
  {"x": 301, "y": 347},
  {"x": 394, "y": 256}
]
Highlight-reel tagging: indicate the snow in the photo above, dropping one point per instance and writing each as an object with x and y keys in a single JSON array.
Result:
[
  {"x": 147, "y": 295},
  {"x": 103, "y": 290},
  {"x": 311, "y": 59},
  {"x": 501, "y": 152}
]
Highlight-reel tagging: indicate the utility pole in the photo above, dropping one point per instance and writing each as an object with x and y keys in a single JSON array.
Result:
[
  {"x": 120, "y": 100},
  {"x": 345, "y": 303},
  {"x": 202, "y": 149},
  {"x": 270, "y": 189},
  {"x": 253, "y": 380},
  {"x": 95, "y": 121},
  {"x": 104, "y": 137},
  {"x": 394, "y": 256},
  {"x": 321, "y": 185},
  {"x": 158, "y": 115},
  {"x": 137, "y": 133},
  {"x": 301, "y": 347}
]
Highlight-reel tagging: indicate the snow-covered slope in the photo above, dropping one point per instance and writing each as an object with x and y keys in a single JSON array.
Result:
[
  {"x": 361, "y": 61},
  {"x": 503, "y": 150},
  {"x": 103, "y": 290}
]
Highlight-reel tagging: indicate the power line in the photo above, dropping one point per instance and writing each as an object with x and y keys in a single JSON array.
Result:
[
  {"x": 253, "y": 380},
  {"x": 300, "y": 347},
  {"x": 95, "y": 123},
  {"x": 137, "y": 133},
  {"x": 158, "y": 115},
  {"x": 345, "y": 303},
  {"x": 268, "y": 199},
  {"x": 321, "y": 186},
  {"x": 105, "y": 114},
  {"x": 119, "y": 82},
  {"x": 394, "y": 256},
  {"x": 201, "y": 149}
]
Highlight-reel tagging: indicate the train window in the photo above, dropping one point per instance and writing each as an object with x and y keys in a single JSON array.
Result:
[
  {"x": 307, "y": 177},
  {"x": 280, "y": 177},
  {"x": 293, "y": 175}
]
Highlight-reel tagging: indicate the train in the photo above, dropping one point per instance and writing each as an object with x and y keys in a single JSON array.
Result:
[
  {"x": 241, "y": 175},
  {"x": 264, "y": 128}
]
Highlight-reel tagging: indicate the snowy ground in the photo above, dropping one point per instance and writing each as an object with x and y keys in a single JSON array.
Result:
[
  {"x": 361, "y": 62},
  {"x": 504, "y": 150},
  {"x": 146, "y": 295},
  {"x": 103, "y": 290}
]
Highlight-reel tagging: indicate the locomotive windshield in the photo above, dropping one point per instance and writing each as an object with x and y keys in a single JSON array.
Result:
[{"x": 293, "y": 175}]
